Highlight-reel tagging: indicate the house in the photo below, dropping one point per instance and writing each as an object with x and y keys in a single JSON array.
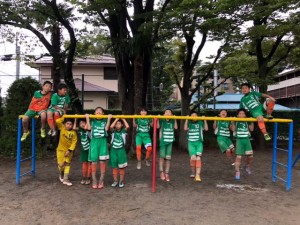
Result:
[
  {"x": 95, "y": 78},
  {"x": 287, "y": 89}
]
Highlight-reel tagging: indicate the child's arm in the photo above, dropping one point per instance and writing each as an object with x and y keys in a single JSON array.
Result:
[
  {"x": 126, "y": 124},
  {"x": 108, "y": 121},
  {"x": 75, "y": 125},
  {"x": 175, "y": 125},
  {"x": 158, "y": 124},
  {"x": 60, "y": 122},
  {"x": 205, "y": 125},
  {"x": 72, "y": 146},
  {"x": 251, "y": 127},
  {"x": 232, "y": 126},
  {"x": 268, "y": 96},
  {"x": 186, "y": 125},
  {"x": 215, "y": 124},
  {"x": 133, "y": 122},
  {"x": 88, "y": 124}
]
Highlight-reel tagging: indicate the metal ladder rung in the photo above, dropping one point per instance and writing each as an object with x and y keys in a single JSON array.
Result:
[
  {"x": 282, "y": 149},
  {"x": 22, "y": 160},
  {"x": 281, "y": 164},
  {"x": 26, "y": 173},
  {"x": 280, "y": 178}
]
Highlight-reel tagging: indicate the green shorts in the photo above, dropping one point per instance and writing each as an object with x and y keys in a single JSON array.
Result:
[
  {"x": 98, "y": 149},
  {"x": 118, "y": 158},
  {"x": 195, "y": 148},
  {"x": 84, "y": 155},
  {"x": 224, "y": 143},
  {"x": 53, "y": 110},
  {"x": 258, "y": 111},
  {"x": 143, "y": 139},
  {"x": 32, "y": 114},
  {"x": 243, "y": 146},
  {"x": 165, "y": 150}
]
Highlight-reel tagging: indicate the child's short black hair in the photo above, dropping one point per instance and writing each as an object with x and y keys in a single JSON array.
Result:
[
  {"x": 99, "y": 107},
  {"x": 246, "y": 84},
  {"x": 47, "y": 82},
  {"x": 61, "y": 86},
  {"x": 143, "y": 108},
  {"x": 244, "y": 110},
  {"x": 68, "y": 120},
  {"x": 192, "y": 112}
]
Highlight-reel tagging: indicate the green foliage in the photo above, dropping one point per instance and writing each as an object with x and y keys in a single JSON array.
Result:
[{"x": 17, "y": 101}]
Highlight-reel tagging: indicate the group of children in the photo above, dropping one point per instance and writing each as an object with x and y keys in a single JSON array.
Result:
[{"x": 93, "y": 134}]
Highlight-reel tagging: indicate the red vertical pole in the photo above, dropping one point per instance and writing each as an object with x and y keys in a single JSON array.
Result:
[{"x": 154, "y": 156}]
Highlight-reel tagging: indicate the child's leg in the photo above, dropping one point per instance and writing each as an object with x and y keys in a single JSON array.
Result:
[
  {"x": 102, "y": 173},
  {"x": 193, "y": 166},
  {"x": 270, "y": 106},
  {"x": 50, "y": 120},
  {"x": 139, "y": 156},
  {"x": 84, "y": 166},
  {"x": 94, "y": 170},
  {"x": 148, "y": 153},
  {"x": 122, "y": 174},
  {"x": 61, "y": 168},
  {"x": 161, "y": 168},
  {"x": 25, "y": 120},
  {"x": 249, "y": 160},
  {"x": 115, "y": 174},
  {"x": 43, "y": 116},
  {"x": 261, "y": 124},
  {"x": 66, "y": 174},
  {"x": 167, "y": 169},
  {"x": 238, "y": 160},
  {"x": 198, "y": 168}
]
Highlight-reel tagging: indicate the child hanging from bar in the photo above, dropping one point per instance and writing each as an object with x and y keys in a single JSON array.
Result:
[
  {"x": 65, "y": 149},
  {"x": 166, "y": 137},
  {"x": 243, "y": 144},
  {"x": 251, "y": 102},
  {"x": 98, "y": 146},
  {"x": 118, "y": 157},
  {"x": 195, "y": 144},
  {"x": 143, "y": 137},
  {"x": 60, "y": 102},
  {"x": 85, "y": 138},
  {"x": 222, "y": 130}
]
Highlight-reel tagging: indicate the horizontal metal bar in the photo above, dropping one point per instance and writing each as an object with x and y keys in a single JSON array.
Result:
[
  {"x": 281, "y": 164},
  {"x": 26, "y": 173},
  {"x": 282, "y": 149},
  {"x": 283, "y": 180},
  {"x": 22, "y": 160}
]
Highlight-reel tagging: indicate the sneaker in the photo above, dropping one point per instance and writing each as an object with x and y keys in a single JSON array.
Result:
[
  {"x": 162, "y": 175},
  {"x": 94, "y": 186},
  {"x": 61, "y": 178},
  {"x": 269, "y": 116},
  {"x": 115, "y": 184},
  {"x": 267, "y": 137},
  {"x": 82, "y": 181},
  {"x": 24, "y": 136},
  {"x": 192, "y": 176},
  {"x": 167, "y": 177},
  {"x": 43, "y": 133},
  {"x": 53, "y": 133},
  {"x": 139, "y": 165},
  {"x": 237, "y": 176},
  {"x": 148, "y": 163},
  {"x": 121, "y": 184},
  {"x": 248, "y": 170},
  {"x": 87, "y": 181},
  {"x": 198, "y": 178},
  {"x": 67, "y": 182},
  {"x": 49, "y": 132}
]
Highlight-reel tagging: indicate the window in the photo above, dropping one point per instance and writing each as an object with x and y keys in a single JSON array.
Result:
[
  {"x": 225, "y": 86},
  {"x": 110, "y": 73}
]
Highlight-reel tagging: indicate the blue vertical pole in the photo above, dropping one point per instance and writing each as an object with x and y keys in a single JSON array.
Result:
[
  {"x": 19, "y": 147},
  {"x": 33, "y": 147},
  {"x": 274, "y": 158},
  {"x": 290, "y": 157}
]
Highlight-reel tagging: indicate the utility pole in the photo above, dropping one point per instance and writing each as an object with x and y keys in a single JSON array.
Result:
[
  {"x": 215, "y": 86},
  {"x": 17, "y": 57}
]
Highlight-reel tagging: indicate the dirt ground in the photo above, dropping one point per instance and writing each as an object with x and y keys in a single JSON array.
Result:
[{"x": 218, "y": 199}]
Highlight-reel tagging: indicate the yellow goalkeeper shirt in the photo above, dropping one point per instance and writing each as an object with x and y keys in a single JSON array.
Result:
[{"x": 67, "y": 138}]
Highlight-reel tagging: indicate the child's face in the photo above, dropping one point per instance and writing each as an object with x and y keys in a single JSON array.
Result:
[
  {"x": 82, "y": 124},
  {"x": 62, "y": 92},
  {"x": 47, "y": 88},
  {"x": 68, "y": 125},
  {"x": 241, "y": 114},
  {"x": 143, "y": 112},
  {"x": 168, "y": 113},
  {"x": 245, "y": 89},
  {"x": 223, "y": 114},
  {"x": 99, "y": 111},
  {"x": 194, "y": 115},
  {"x": 119, "y": 125}
]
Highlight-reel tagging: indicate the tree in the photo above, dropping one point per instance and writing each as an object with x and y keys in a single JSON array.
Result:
[
  {"x": 40, "y": 17},
  {"x": 133, "y": 38}
]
